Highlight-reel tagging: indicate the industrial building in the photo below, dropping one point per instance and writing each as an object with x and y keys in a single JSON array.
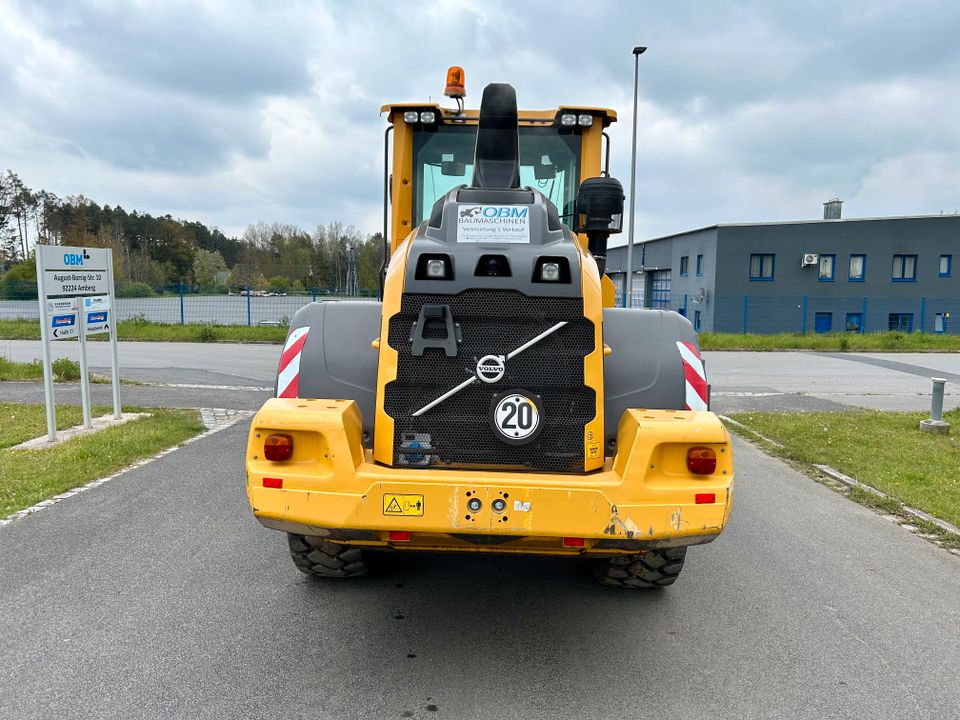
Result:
[{"x": 829, "y": 275}]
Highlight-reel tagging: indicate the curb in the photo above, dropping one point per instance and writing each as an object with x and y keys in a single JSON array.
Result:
[{"x": 850, "y": 482}]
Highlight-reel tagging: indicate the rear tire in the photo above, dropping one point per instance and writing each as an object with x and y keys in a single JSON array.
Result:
[
  {"x": 320, "y": 558},
  {"x": 643, "y": 571}
]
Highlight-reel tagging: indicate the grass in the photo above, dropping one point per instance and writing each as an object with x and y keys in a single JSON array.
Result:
[
  {"x": 885, "y": 450},
  {"x": 157, "y": 332},
  {"x": 64, "y": 370},
  {"x": 29, "y": 476},
  {"x": 832, "y": 342},
  {"x": 20, "y": 422}
]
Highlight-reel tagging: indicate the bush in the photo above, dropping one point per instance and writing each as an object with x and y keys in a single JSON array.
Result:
[
  {"x": 844, "y": 343},
  {"x": 66, "y": 370},
  {"x": 206, "y": 333},
  {"x": 135, "y": 290},
  {"x": 19, "y": 282}
]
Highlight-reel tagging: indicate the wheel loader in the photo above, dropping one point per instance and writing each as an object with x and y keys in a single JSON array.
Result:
[{"x": 495, "y": 400}]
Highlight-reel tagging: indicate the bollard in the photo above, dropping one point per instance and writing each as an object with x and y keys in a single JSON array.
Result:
[{"x": 935, "y": 423}]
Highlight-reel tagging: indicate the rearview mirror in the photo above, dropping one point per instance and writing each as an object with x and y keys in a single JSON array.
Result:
[
  {"x": 544, "y": 172},
  {"x": 452, "y": 168}
]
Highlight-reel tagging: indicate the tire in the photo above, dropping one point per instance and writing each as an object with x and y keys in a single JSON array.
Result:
[
  {"x": 644, "y": 571},
  {"x": 319, "y": 558}
]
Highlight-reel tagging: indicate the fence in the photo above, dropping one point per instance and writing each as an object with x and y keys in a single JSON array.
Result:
[
  {"x": 182, "y": 304},
  {"x": 767, "y": 314}
]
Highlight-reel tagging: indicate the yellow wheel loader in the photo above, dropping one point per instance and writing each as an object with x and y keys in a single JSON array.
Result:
[{"x": 494, "y": 401}]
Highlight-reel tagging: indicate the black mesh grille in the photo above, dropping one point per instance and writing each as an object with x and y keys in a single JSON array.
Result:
[{"x": 457, "y": 432}]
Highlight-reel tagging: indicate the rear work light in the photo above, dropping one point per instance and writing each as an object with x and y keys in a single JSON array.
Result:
[
  {"x": 701, "y": 461},
  {"x": 278, "y": 447}
]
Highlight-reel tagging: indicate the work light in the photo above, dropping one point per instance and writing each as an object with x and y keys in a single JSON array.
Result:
[
  {"x": 411, "y": 116},
  {"x": 428, "y": 117},
  {"x": 568, "y": 119},
  {"x": 585, "y": 120},
  {"x": 436, "y": 268},
  {"x": 550, "y": 272}
]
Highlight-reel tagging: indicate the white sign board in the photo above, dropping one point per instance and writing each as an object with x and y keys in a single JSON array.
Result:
[
  {"x": 494, "y": 224},
  {"x": 96, "y": 309},
  {"x": 75, "y": 282},
  {"x": 76, "y": 299},
  {"x": 64, "y": 323}
]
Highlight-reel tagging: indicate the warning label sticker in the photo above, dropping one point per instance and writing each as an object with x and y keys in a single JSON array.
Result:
[
  {"x": 493, "y": 224},
  {"x": 394, "y": 504}
]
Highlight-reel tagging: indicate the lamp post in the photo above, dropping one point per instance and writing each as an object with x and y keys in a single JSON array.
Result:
[{"x": 637, "y": 52}]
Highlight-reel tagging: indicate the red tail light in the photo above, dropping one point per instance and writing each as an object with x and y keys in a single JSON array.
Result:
[
  {"x": 399, "y": 535},
  {"x": 705, "y": 498},
  {"x": 572, "y": 542},
  {"x": 701, "y": 461},
  {"x": 278, "y": 447},
  {"x": 275, "y": 483}
]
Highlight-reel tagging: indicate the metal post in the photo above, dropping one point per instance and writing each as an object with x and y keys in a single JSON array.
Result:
[
  {"x": 637, "y": 52},
  {"x": 863, "y": 322},
  {"x": 923, "y": 315},
  {"x": 181, "y": 302},
  {"x": 936, "y": 400},
  {"x": 45, "y": 351},
  {"x": 746, "y": 300},
  {"x": 248, "y": 307},
  {"x": 313, "y": 294},
  {"x": 803, "y": 323},
  {"x": 935, "y": 423},
  {"x": 114, "y": 332},
  {"x": 84, "y": 373}
]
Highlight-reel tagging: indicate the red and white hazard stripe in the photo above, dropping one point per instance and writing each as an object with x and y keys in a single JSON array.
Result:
[
  {"x": 695, "y": 376},
  {"x": 288, "y": 376}
]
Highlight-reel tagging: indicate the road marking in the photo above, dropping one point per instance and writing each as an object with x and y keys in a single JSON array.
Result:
[
  {"x": 198, "y": 386},
  {"x": 216, "y": 419}
]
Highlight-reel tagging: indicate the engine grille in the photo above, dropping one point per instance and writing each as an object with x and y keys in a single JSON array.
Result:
[{"x": 456, "y": 432}]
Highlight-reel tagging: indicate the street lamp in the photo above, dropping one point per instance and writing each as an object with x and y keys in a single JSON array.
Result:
[{"x": 637, "y": 52}]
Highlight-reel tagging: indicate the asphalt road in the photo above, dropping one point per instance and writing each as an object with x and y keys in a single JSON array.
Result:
[
  {"x": 157, "y": 595},
  {"x": 798, "y": 381}
]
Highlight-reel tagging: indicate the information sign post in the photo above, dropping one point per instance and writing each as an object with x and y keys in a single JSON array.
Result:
[{"x": 76, "y": 300}]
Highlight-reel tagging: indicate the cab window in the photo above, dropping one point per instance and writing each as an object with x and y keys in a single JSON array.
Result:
[{"x": 443, "y": 160}]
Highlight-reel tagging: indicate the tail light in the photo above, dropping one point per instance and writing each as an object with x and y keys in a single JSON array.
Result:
[
  {"x": 278, "y": 447},
  {"x": 701, "y": 461}
]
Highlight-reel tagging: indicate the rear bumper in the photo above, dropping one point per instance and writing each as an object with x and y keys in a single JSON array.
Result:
[{"x": 644, "y": 498}]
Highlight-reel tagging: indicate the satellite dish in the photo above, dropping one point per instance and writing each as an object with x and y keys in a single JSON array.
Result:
[{"x": 700, "y": 296}]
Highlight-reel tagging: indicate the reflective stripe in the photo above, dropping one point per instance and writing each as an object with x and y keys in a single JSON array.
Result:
[
  {"x": 695, "y": 378},
  {"x": 288, "y": 375}
]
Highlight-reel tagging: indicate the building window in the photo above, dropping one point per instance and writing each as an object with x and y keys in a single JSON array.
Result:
[
  {"x": 858, "y": 268},
  {"x": 904, "y": 268},
  {"x": 828, "y": 264},
  {"x": 940, "y": 323},
  {"x": 854, "y": 322},
  {"x": 660, "y": 284},
  {"x": 761, "y": 267},
  {"x": 945, "y": 265},
  {"x": 699, "y": 264},
  {"x": 823, "y": 322},
  {"x": 696, "y": 320},
  {"x": 684, "y": 264},
  {"x": 903, "y": 322}
]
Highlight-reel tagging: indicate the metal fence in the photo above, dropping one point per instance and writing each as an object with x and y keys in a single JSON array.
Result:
[
  {"x": 181, "y": 304},
  {"x": 767, "y": 314}
]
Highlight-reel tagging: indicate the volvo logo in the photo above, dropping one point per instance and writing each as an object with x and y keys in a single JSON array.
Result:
[{"x": 490, "y": 368}]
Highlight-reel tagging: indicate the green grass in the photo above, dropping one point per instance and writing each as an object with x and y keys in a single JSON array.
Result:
[
  {"x": 19, "y": 422},
  {"x": 885, "y": 450},
  {"x": 64, "y": 370},
  {"x": 142, "y": 330},
  {"x": 29, "y": 476},
  {"x": 838, "y": 342}
]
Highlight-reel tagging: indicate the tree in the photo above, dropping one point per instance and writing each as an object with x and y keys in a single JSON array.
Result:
[{"x": 207, "y": 265}]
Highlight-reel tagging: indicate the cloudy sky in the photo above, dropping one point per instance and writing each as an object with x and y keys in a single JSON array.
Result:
[{"x": 233, "y": 112}]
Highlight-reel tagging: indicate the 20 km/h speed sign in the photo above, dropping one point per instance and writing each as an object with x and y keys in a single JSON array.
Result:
[{"x": 516, "y": 416}]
